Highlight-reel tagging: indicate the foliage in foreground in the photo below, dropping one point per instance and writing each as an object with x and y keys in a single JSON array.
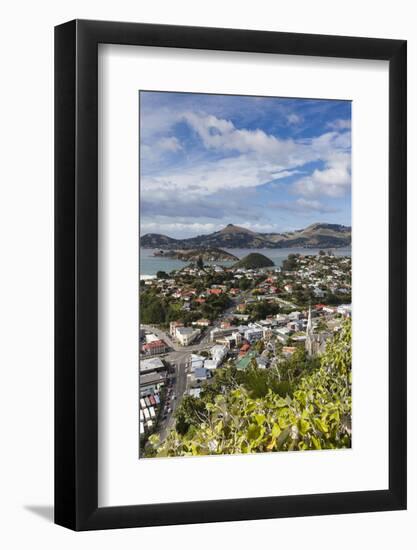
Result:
[{"x": 316, "y": 414}]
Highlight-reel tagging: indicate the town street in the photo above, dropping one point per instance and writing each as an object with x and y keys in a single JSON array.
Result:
[
  {"x": 173, "y": 345},
  {"x": 179, "y": 359}
]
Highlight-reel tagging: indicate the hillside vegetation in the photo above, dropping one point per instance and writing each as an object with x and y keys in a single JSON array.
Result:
[
  {"x": 254, "y": 261},
  {"x": 192, "y": 255}
]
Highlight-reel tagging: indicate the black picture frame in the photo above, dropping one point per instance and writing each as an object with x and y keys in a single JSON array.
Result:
[{"x": 76, "y": 272}]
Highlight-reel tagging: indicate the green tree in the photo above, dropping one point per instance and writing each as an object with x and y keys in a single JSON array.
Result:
[
  {"x": 200, "y": 263},
  {"x": 190, "y": 413},
  {"x": 278, "y": 348},
  {"x": 259, "y": 346},
  {"x": 290, "y": 263},
  {"x": 152, "y": 311},
  {"x": 321, "y": 325},
  {"x": 244, "y": 283}
]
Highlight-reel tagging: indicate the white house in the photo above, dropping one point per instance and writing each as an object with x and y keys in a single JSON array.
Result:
[
  {"x": 283, "y": 334},
  {"x": 345, "y": 309},
  {"x": 253, "y": 334},
  {"x": 210, "y": 364},
  {"x": 199, "y": 375},
  {"x": 218, "y": 353},
  {"x": 194, "y": 392},
  {"x": 294, "y": 315},
  {"x": 318, "y": 292},
  {"x": 235, "y": 339},
  {"x": 281, "y": 318},
  {"x": 186, "y": 335},
  {"x": 196, "y": 361}
]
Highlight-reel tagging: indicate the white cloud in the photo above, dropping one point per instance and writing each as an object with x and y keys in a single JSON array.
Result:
[
  {"x": 332, "y": 181},
  {"x": 155, "y": 123},
  {"x": 169, "y": 144},
  {"x": 339, "y": 124},
  {"x": 313, "y": 205},
  {"x": 294, "y": 119},
  {"x": 305, "y": 206},
  {"x": 159, "y": 150},
  {"x": 250, "y": 158},
  {"x": 205, "y": 178},
  {"x": 221, "y": 134}
]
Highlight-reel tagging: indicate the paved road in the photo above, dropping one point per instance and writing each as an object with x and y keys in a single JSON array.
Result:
[{"x": 179, "y": 387}]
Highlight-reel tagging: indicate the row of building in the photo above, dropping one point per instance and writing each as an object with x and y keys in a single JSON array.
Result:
[
  {"x": 153, "y": 376},
  {"x": 200, "y": 367}
]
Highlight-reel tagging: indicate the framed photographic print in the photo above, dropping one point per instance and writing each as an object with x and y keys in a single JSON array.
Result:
[{"x": 230, "y": 275}]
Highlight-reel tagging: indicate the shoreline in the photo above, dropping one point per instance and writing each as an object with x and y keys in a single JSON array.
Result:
[{"x": 150, "y": 264}]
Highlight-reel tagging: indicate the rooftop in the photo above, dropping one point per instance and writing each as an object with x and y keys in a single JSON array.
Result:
[
  {"x": 245, "y": 361},
  {"x": 147, "y": 365},
  {"x": 201, "y": 373},
  {"x": 152, "y": 378},
  {"x": 185, "y": 330},
  {"x": 154, "y": 344}
]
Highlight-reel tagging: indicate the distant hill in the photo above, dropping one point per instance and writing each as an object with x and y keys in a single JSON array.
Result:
[
  {"x": 155, "y": 240},
  {"x": 254, "y": 261},
  {"x": 192, "y": 255},
  {"x": 317, "y": 235}
]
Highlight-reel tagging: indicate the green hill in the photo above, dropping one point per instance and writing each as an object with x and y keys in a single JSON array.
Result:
[
  {"x": 206, "y": 254},
  {"x": 254, "y": 261}
]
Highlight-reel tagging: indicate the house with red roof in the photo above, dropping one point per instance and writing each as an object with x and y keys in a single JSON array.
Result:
[
  {"x": 215, "y": 291},
  {"x": 155, "y": 347}
]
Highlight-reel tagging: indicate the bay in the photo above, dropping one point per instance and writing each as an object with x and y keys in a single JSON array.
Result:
[{"x": 150, "y": 264}]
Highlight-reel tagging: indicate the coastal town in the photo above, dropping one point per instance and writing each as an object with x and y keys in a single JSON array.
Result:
[
  {"x": 205, "y": 319},
  {"x": 245, "y": 243}
]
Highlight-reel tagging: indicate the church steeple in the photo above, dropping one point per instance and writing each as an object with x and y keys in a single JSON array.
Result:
[
  {"x": 309, "y": 322},
  {"x": 309, "y": 334}
]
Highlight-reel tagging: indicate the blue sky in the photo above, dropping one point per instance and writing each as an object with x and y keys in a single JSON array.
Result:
[{"x": 268, "y": 164}]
